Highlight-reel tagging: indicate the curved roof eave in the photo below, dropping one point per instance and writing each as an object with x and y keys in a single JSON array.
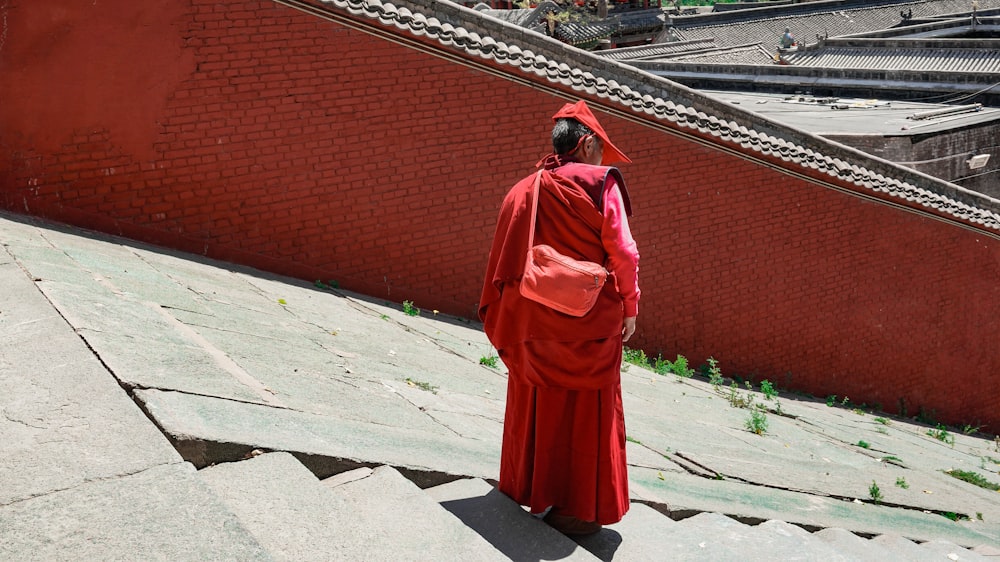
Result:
[{"x": 464, "y": 35}]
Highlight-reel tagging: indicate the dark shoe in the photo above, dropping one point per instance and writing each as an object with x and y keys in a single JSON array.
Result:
[{"x": 571, "y": 526}]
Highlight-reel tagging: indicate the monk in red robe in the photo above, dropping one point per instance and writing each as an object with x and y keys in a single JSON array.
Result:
[{"x": 563, "y": 452}]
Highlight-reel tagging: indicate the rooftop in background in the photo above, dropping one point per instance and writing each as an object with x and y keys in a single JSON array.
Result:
[
  {"x": 847, "y": 116},
  {"x": 812, "y": 20},
  {"x": 936, "y": 50}
]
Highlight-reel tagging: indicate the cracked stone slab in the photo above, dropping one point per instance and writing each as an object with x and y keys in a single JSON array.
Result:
[
  {"x": 163, "y": 513},
  {"x": 816, "y": 452},
  {"x": 63, "y": 418},
  {"x": 684, "y": 493},
  {"x": 377, "y": 339},
  {"x": 120, "y": 268},
  {"x": 199, "y": 419}
]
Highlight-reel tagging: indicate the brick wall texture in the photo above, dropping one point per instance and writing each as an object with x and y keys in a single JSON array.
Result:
[{"x": 250, "y": 132}]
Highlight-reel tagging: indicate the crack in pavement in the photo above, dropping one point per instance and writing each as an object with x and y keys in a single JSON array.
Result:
[
  {"x": 221, "y": 359},
  {"x": 91, "y": 480},
  {"x": 21, "y": 422},
  {"x": 424, "y": 411},
  {"x": 716, "y": 475}
]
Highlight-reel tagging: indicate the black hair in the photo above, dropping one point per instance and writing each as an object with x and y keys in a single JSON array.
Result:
[{"x": 566, "y": 134}]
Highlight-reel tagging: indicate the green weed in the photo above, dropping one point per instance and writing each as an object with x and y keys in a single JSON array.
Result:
[
  {"x": 973, "y": 478},
  {"x": 969, "y": 429},
  {"x": 490, "y": 361},
  {"x": 757, "y": 422},
  {"x": 768, "y": 389},
  {"x": 864, "y": 444},
  {"x": 941, "y": 434},
  {"x": 875, "y": 493},
  {"x": 883, "y": 421},
  {"x": 714, "y": 372},
  {"x": 901, "y": 483},
  {"x": 422, "y": 385},
  {"x": 409, "y": 309},
  {"x": 738, "y": 400},
  {"x": 661, "y": 366},
  {"x": 680, "y": 367},
  {"x": 635, "y": 357},
  {"x": 831, "y": 400}
]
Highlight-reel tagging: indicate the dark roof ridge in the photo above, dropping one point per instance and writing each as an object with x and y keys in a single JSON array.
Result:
[{"x": 640, "y": 96}]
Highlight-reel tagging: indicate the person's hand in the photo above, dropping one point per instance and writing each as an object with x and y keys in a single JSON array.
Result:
[{"x": 628, "y": 329}]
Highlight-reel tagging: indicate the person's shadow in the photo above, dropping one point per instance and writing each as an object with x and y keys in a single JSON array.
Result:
[
  {"x": 602, "y": 544},
  {"x": 522, "y": 537}
]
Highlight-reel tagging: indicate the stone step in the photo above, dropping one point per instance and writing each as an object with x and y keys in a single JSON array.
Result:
[
  {"x": 850, "y": 545},
  {"x": 712, "y": 536},
  {"x": 906, "y": 549},
  {"x": 504, "y": 523},
  {"x": 163, "y": 513},
  {"x": 647, "y": 534},
  {"x": 951, "y": 551},
  {"x": 987, "y": 550},
  {"x": 379, "y": 516},
  {"x": 403, "y": 522},
  {"x": 636, "y": 537}
]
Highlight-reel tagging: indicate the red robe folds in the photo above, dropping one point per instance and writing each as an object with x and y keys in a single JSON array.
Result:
[{"x": 564, "y": 431}]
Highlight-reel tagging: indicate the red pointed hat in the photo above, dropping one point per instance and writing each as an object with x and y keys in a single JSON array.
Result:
[{"x": 582, "y": 113}]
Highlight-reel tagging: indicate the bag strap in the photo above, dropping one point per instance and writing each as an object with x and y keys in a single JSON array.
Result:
[{"x": 534, "y": 212}]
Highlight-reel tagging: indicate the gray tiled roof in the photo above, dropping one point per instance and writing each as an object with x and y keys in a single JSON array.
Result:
[
  {"x": 767, "y": 28},
  {"x": 745, "y": 54},
  {"x": 622, "y": 24},
  {"x": 919, "y": 58},
  {"x": 655, "y": 50},
  {"x": 624, "y": 89}
]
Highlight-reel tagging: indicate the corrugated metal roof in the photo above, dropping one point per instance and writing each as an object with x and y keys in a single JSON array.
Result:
[{"x": 916, "y": 59}]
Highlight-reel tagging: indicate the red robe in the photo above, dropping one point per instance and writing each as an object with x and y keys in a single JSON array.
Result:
[{"x": 564, "y": 431}]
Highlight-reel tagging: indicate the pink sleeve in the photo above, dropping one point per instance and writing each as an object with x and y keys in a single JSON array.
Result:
[{"x": 623, "y": 255}]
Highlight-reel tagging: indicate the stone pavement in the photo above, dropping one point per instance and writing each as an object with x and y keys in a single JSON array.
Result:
[{"x": 158, "y": 405}]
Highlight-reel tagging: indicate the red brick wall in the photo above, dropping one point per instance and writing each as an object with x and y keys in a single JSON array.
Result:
[{"x": 260, "y": 135}]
